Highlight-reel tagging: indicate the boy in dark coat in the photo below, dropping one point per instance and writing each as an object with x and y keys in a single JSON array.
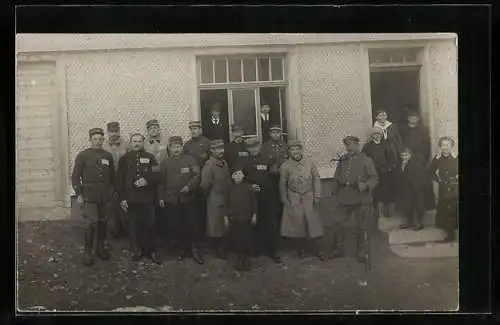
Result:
[{"x": 241, "y": 217}]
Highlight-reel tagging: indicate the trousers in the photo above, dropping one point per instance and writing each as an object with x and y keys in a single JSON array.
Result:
[
  {"x": 183, "y": 221},
  {"x": 267, "y": 229},
  {"x": 241, "y": 237},
  {"x": 142, "y": 217}
]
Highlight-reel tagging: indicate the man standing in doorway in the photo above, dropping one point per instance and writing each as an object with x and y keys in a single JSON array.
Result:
[
  {"x": 93, "y": 180},
  {"x": 265, "y": 121},
  {"x": 216, "y": 127}
]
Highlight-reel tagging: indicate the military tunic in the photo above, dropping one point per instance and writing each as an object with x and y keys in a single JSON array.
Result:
[
  {"x": 198, "y": 148},
  {"x": 299, "y": 186},
  {"x": 235, "y": 153},
  {"x": 215, "y": 182},
  {"x": 444, "y": 170}
]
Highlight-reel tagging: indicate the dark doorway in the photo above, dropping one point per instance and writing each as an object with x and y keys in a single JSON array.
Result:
[
  {"x": 396, "y": 92},
  {"x": 208, "y": 98}
]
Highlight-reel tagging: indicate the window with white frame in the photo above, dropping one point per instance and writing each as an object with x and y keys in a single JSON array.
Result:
[{"x": 241, "y": 86}]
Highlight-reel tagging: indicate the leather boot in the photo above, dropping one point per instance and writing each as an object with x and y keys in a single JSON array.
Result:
[
  {"x": 219, "y": 250},
  {"x": 155, "y": 258},
  {"x": 88, "y": 255},
  {"x": 301, "y": 253},
  {"x": 102, "y": 249},
  {"x": 360, "y": 247},
  {"x": 181, "y": 250},
  {"x": 317, "y": 249},
  {"x": 338, "y": 250},
  {"x": 197, "y": 257}
]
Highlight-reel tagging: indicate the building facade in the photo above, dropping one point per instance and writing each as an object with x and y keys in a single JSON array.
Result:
[{"x": 319, "y": 87}]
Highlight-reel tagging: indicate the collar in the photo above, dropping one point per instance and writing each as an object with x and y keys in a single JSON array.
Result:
[
  {"x": 377, "y": 142},
  {"x": 452, "y": 155},
  {"x": 385, "y": 126}
]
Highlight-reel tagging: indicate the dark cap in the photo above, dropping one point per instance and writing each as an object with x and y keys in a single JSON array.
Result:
[
  {"x": 96, "y": 131},
  {"x": 236, "y": 127},
  {"x": 252, "y": 142},
  {"x": 350, "y": 139},
  {"x": 215, "y": 144},
  {"x": 236, "y": 168},
  {"x": 113, "y": 127},
  {"x": 175, "y": 140},
  {"x": 294, "y": 143},
  {"x": 150, "y": 123},
  {"x": 275, "y": 127},
  {"x": 195, "y": 124}
]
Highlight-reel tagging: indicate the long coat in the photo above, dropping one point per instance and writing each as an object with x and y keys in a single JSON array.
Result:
[
  {"x": 215, "y": 183},
  {"x": 391, "y": 134},
  {"x": 413, "y": 185},
  {"x": 299, "y": 185},
  {"x": 444, "y": 170},
  {"x": 417, "y": 140}
]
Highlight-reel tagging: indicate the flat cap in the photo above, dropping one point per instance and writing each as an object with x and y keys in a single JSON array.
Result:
[
  {"x": 150, "y": 123},
  {"x": 294, "y": 143},
  {"x": 275, "y": 127},
  {"x": 218, "y": 143},
  {"x": 175, "y": 139},
  {"x": 252, "y": 142},
  {"x": 113, "y": 126},
  {"x": 195, "y": 124},
  {"x": 237, "y": 127},
  {"x": 96, "y": 131},
  {"x": 350, "y": 139}
]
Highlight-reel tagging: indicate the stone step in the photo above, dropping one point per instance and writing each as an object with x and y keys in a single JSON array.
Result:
[
  {"x": 408, "y": 236},
  {"x": 393, "y": 222},
  {"x": 428, "y": 250}
]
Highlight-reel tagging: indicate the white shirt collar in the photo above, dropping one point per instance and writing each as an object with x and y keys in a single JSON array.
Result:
[
  {"x": 453, "y": 155},
  {"x": 383, "y": 127}
]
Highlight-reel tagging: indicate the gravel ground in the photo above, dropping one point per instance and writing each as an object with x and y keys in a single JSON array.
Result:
[{"x": 50, "y": 274}]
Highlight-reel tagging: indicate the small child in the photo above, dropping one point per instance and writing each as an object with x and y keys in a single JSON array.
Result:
[{"x": 241, "y": 217}]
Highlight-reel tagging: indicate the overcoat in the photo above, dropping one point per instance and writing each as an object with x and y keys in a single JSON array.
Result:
[
  {"x": 299, "y": 185},
  {"x": 215, "y": 183}
]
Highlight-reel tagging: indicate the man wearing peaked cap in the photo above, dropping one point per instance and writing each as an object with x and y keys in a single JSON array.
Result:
[
  {"x": 115, "y": 145},
  {"x": 175, "y": 140},
  {"x": 236, "y": 150},
  {"x": 93, "y": 180}
]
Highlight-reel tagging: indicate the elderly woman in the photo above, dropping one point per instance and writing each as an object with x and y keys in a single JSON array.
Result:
[
  {"x": 385, "y": 162},
  {"x": 390, "y": 132},
  {"x": 300, "y": 193}
]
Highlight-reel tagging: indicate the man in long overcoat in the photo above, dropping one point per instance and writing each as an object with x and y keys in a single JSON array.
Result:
[{"x": 300, "y": 191}]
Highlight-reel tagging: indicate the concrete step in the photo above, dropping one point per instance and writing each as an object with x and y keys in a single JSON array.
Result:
[
  {"x": 408, "y": 236},
  {"x": 428, "y": 250},
  {"x": 393, "y": 222}
]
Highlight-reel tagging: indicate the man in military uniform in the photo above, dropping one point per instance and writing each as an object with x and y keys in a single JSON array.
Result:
[
  {"x": 354, "y": 179},
  {"x": 137, "y": 184},
  {"x": 257, "y": 171},
  {"x": 117, "y": 148},
  {"x": 93, "y": 180},
  {"x": 198, "y": 147},
  {"x": 155, "y": 145},
  {"x": 236, "y": 151},
  {"x": 177, "y": 193}
]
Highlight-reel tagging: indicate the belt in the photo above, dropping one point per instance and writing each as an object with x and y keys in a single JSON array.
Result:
[
  {"x": 299, "y": 192},
  {"x": 353, "y": 185}
]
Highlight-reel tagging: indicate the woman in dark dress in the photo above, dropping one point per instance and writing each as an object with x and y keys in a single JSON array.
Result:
[
  {"x": 385, "y": 162},
  {"x": 391, "y": 132},
  {"x": 444, "y": 170}
]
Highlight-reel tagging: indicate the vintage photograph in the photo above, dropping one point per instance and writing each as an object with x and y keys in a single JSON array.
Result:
[{"x": 237, "y": 172}]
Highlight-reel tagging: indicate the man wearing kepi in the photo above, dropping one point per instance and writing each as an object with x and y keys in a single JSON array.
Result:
[
  {"x": 236, "y": 151},
  {"x": 300, "y": 192},
  {"x": 198, "y": 147},
  {"x": 257, "y": 169},
  {"x": 354, "y": 179},
  {"x": 176, "y": 192},
  {"x": 117, "y": 148},
  {"x": 137, "y": 184},
  {"x": 215, "y": 183},
  {"x": 93, "y": 181}
]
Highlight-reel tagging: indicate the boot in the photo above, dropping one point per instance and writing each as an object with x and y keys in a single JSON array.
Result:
[
  {"x": 418, "y": 223},
  {"x": 317, "y": 249},
  {"x": 381, "y": 210},
  {"x": 450, "y": 236},
  {"x": 300, "y": 248},
  {"x": 360, "y": 247},
  {"x": 246, "y": 264},
  {"x": 181, "y": 248},
  {"x": 102, "y": 247},
  {"x": 338, "y": 250},
  {"x": 155, "y": 258},
  {"x": 239, "y": 263},
  {"x": 88, "y": 255},
  {"x": 136, "y": 255},
  {"x": 219, "y": 250},
  {"x": 196, "y": 254}
]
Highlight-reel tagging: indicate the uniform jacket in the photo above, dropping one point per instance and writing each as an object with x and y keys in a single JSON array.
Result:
[
  {"x": 157, "y": 148},
  {"x": 352, "y": 169},
  {"x": 177, "y": 172},
  {"x": 299, "y": 185},
  {"x": 93, "y": 175},
  {"x": 276, "y": 152},
  {"x": 445, "y": 171},
  {"x": 198, "y": 148},
  {"x": 133, "y": 166},
  {"x": 418, "y": 141},
  {"x": 216, "y": 131},
  {"x": 257, "y": 171},
  {"x": 116, "y": 150},
  {"x": 242, "y": 203},
  {"x": 215, "y": 183},
  {"x": 236, "y": 153}
]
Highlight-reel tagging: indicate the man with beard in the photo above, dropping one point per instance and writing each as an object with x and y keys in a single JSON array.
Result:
[
  {"x": 137, "y": 182},
  {"x": 93, "y": 180}
]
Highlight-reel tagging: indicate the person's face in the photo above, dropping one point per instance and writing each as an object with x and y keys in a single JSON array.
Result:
[
  {"x": 97, "y": 140},
  {"x": 238, "y": 176},
  {"x": 275, "y": 135},
  {"x": 175, "y": 149},
  {"x": 296, "y": 152},
  {"x": 114, "y": 136},
  {"x": 254, "y": 150},
  {"x": 381, "y": 117},
  {"x": 413, "y": 120},
  {"x": 405, "y": 155},
  {"x": 218, "y": 153},
  {"x": 154, "y": 130},
  {"x": 352, "y": 147},
  {"x": 238, "y": 136},
  {"x": 377, "y": 137},
  {"x": 195, "y": 131},
  {"x": 265, "y": 109},
  {"x": 446, "y": 147},
  {"x": 137, "y": 143}
]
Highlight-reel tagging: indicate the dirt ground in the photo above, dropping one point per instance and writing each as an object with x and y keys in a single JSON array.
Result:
[{"x": 50, "y": 274}]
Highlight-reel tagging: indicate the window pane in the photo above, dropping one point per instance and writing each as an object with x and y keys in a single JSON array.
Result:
[
  {"x": 244, "y": 110},
  {"x": 220, "y": 71},
  {"x": 235, "y": 70},
  {"x": 277, "y": 68},
  {"x": 379, "y": 56},
  {"x": 397, "y": 56},
  {"x": 249, "y": 69},
  {"x": 206, "y": 71},
  {"x": 264, "y": 69},
  {"x": 411, "y": 55}
]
